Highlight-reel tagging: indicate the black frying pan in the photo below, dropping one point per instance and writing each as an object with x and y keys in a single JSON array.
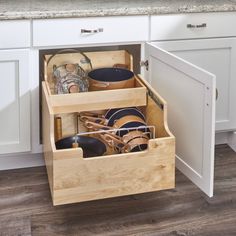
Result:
[
  {"x": 91, "y": 146},
  {"x": 115, "y": 114}
]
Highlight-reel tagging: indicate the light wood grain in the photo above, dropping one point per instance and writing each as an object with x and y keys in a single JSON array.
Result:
[
  {"x": 98, "y": 100},
  {"x": 89, "y": 101},
  {"x": 48, "y": 135},
  {"x": 98, "y": 60},
  {"x": 75, "y": 179}
]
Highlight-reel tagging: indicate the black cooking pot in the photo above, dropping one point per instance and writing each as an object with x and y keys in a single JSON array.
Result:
[
  {"x": 110, "y": 78},
  {"x": 91, "y": 146}
]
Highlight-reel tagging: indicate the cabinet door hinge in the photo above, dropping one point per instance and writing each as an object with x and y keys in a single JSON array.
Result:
[{"x": 144, "y": 63}]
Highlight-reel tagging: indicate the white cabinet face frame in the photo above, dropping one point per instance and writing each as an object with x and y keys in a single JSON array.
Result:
[
  {"x": 15, "y": 101},
  {"x": 217, "y": 56},
  {"x": 190, "y": 95},
  {"x": 35, "y": 101}
]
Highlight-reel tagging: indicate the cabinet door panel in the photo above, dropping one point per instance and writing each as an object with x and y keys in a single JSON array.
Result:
[
  {"x": 218, "y": 57},
  {"x": 14, "y": 102},
  {"x": 189, "y": 92}
]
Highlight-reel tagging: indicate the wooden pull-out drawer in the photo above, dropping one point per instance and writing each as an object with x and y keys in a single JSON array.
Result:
[
  {"x": 65, "y": 103},
  {"x": 75, "y": 179},
  {"x": 198, "y": 25},
  {"x": 92, "y": 30}
]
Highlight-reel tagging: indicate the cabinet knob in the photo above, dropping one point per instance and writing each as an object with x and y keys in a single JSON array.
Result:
[
  {"x": 217, "y": 94},
  {"x": 203, "y": 25},
  {"x": 94, "y": 31}
]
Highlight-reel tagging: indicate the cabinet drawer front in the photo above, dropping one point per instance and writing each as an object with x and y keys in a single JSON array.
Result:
[
  {"x": 90, "y": 30},
  {"x": 15, "y": 34},
  {"x": 199, "y": 25}
]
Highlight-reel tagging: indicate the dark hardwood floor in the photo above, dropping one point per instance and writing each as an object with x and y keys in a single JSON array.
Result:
[{"x": 26, "y": 208}]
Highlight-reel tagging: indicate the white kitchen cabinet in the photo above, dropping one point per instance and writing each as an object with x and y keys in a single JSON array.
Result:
[
  {"x": 188, "y": 90},
  {"x": 181, "y": 84},
  {"x": 15, "y": 120},
  {"x": 190, "y": 95},
  {"x": 217, "y": 56}
]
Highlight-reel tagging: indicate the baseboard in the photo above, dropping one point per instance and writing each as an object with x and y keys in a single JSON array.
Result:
[
  {"x": 232, "y": 141},
  {"x": 22, "y": 160},
  {"x": 221, "y": 138}
]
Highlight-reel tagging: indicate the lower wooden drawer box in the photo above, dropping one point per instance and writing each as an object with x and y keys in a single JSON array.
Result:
[{"x": 73, "y": 178}]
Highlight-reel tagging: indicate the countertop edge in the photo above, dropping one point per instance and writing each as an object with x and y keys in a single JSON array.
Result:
[{"x": 111, "y": 12}]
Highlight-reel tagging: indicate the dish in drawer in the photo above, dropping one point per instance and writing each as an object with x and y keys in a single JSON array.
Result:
[
  {"x": 121, "y": 130},
  {"x": 104, "y": 70}
]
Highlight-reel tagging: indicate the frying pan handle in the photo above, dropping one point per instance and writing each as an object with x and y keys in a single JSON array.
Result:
[
  {"x": 70, "y": 51},
  {"x": 114, "y": 141},
  {"x": 100, "y": 120},
  {"x": 113, "y": 138},
  {"x": 95, "y": 126}
]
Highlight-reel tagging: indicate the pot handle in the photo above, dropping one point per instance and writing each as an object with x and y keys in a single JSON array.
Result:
[
  {"x": 119, "y": 65},
  {"x": 68, "y": 51}
]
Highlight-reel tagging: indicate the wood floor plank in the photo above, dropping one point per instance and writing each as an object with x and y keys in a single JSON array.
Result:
[
  {"x": 12, "y": 226},
  {"x": 183, "y": 211}
]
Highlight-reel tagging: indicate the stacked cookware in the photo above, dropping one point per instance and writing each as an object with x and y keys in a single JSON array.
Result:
[{"x": 121, "y": 129}]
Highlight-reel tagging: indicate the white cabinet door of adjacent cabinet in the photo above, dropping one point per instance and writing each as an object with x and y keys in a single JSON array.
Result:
[
  {"x": 190, "y": 95},
  {"x": 15, "y": 101},
  {"x": 217, "y": 56}
]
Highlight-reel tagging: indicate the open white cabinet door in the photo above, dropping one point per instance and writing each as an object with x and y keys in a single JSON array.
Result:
[{"x": 190, "y": 95}]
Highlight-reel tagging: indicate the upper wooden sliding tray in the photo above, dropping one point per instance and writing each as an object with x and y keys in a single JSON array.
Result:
[{"x": 65, "y": 103}]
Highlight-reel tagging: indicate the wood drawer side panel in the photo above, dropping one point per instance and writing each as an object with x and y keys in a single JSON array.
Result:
[
  {"x": 48, "y": 130},
  {"x": 78, "y": 179}
]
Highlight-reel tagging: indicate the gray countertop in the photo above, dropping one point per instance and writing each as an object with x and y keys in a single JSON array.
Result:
[{"x": 42, "y": 9}]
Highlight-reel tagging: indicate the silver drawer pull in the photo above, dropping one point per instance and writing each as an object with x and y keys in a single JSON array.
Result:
[
  {"x": 86, "y": 31},
  {"x": 203, "y": 25}
]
